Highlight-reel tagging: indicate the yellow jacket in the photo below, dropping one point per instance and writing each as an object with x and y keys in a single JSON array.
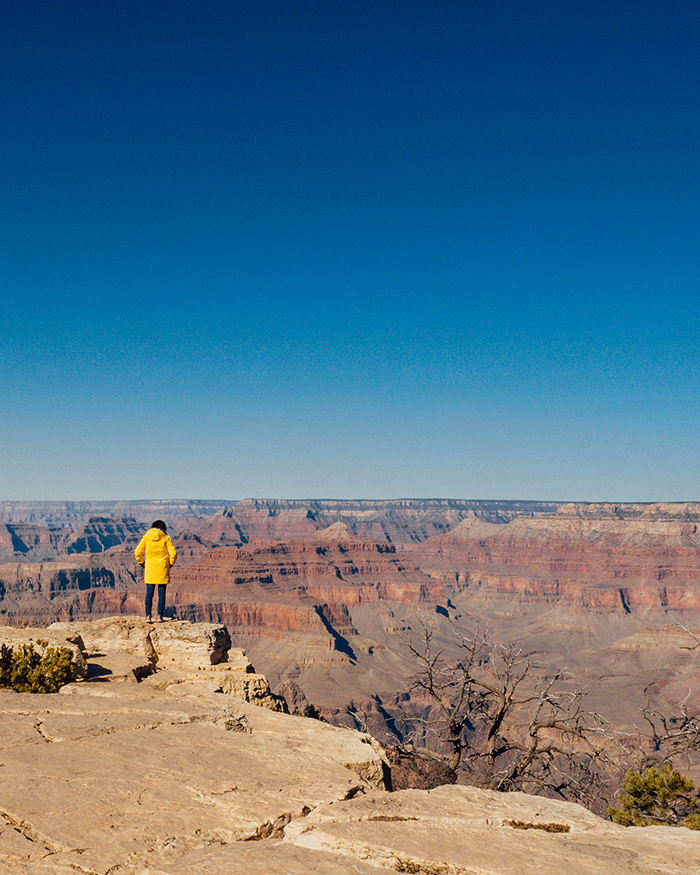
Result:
[{"x": 160, "y": 554}]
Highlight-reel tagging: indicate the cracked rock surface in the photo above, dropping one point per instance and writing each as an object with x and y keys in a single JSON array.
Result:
[
  {"x": 453, "y": 830},
  {"x": 117, "y": 776},
  {"x": 171, "y": 776}
]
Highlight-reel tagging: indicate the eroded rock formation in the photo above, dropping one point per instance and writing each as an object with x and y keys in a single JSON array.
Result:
[
  {"x": 602, "y": 559},
  {"x": 400, "y": 521},
  {"x": 73, "y": 587},
  {"x": 303, "y": 588},
  {"x": 98, "y": 534}
]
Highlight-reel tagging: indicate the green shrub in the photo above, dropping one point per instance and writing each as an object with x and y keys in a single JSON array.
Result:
[
  {"x": 692, "y": 821},
  {"x": 27, "y": 670},
  {"x": 657, "y": 797}
]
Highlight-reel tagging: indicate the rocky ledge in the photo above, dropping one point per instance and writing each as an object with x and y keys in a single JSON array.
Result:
[{"x": 154, "y": 763}]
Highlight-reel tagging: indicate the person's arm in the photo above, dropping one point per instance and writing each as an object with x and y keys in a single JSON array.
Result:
[
  {"x": 172, "y": 552},
  {"x": 140, "y": 550}
]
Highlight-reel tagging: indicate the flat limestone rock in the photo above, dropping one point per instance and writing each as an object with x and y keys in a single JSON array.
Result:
[
  {"x": 139, "y": 777},
  {"x": 452, "y": 830},
  {"x": 456, "y": 830},
  {"x": 272, "y": 857},
  {"x": 119, "y": 666}
]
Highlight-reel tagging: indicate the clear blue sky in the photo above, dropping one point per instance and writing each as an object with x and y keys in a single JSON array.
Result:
[{"x": 350, "y": 249}]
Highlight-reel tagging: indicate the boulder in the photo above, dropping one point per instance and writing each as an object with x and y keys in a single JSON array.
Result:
[{"x": 129, "y": 648}]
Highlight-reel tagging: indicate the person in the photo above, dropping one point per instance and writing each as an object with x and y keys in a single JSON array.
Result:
[{"x": 156, "y": 553}]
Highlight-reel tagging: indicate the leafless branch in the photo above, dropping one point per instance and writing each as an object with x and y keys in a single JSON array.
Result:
[
  {"x": 669, "y": 735},
  {"x": 509, "y": 727}
]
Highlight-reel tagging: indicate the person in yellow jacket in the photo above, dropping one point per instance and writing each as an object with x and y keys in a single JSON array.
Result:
[{"x": 156, "y": 553}]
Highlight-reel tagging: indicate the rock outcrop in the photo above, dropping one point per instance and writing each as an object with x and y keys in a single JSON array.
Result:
[
  {"x": 41, "y": 639},
  {"x": 128, "y": 646},
  {"x": 168, "y": 776},
  {"x": 115, "y": 776}
]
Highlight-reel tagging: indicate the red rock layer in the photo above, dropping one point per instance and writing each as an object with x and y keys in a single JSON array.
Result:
[
  {"x": 26, "y": 537},
  {"x": 303, "y": 587},
  {"x": 101, "y": 533},
  {"x": 41, "y": 593},
  {"x": 598, "y": 562}
]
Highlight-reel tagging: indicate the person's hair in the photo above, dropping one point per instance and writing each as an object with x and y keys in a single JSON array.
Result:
[{"x": 159, "y": 524}]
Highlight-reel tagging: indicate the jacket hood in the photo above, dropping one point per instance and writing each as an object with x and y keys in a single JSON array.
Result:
[{"x": 155, "y": 535}]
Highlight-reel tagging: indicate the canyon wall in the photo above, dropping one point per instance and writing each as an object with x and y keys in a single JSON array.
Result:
[
  {"x": 594, "y": 558},
  {"x": 399, "y": 521},
  {"x": 75, "y": 513}
]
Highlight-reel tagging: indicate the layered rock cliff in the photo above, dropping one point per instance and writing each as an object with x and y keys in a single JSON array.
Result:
[
  {"x": 75, "y": 513},
  {"x": 399, "y": 521},
  {"x": 37, "y": 543},
  {"x": 603, "y": 558},
  {"x": 72, "y": 588},
  {"x": 305, "y": 589}
]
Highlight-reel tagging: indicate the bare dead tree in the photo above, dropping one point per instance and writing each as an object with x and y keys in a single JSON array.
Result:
[
  {"x": 451, "y": 689},
  {"x": 668, "y": 737},
  {"x": 507, "y": 724}
]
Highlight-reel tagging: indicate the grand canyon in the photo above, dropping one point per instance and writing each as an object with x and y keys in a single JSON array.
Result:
[{"x": 327, "y": 597}]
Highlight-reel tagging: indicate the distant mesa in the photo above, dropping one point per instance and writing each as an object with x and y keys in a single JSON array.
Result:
[
  {"x": 400, "y": 521},
  {"x": 336, "y": 532}
]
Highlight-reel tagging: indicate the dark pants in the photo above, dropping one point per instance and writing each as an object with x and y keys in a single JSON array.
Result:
[{"x": 150, "y": 589}]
